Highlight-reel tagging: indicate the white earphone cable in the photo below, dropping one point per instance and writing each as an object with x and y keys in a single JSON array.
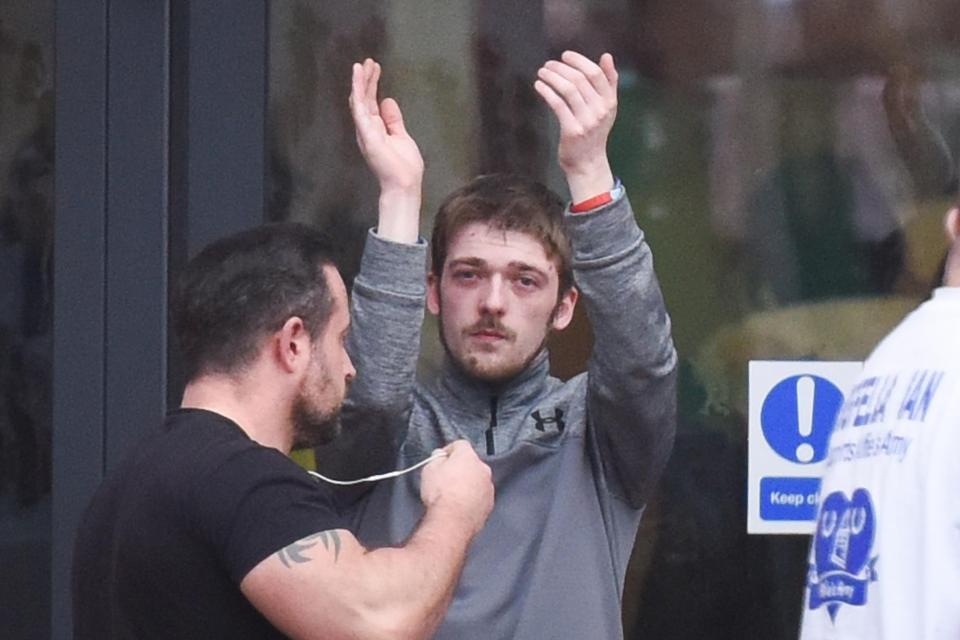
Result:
[{"x": 439, "y": 453}]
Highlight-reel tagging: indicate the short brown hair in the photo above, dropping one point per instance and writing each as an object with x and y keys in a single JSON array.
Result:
[{"x": 507, "y": 202}]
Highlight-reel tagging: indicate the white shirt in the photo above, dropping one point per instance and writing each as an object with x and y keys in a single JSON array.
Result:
[{"x": 885, "y": 560}]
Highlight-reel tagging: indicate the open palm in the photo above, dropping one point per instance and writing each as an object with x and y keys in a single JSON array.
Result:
[{"x": 390, "y": 152}]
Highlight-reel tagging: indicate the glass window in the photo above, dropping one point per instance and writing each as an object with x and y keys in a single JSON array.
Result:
[
  {"x": 26, "y": 243},
  {"x": 789, "y": 161}
]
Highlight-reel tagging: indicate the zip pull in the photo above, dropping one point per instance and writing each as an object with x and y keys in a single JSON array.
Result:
[{"x": 491, "y": 448}]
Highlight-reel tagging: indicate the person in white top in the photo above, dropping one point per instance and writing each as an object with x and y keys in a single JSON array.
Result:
[{"x": 885, "y": 558}]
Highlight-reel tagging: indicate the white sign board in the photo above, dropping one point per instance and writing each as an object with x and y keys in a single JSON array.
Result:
[{"x": 792, "y": 408}]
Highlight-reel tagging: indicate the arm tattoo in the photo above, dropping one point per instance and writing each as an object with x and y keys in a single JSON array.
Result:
[{"x": 296, "y": 552}]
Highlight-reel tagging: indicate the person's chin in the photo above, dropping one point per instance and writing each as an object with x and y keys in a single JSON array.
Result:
[
  {"x": 491, "y": 371},
  {"x": 317, "y": 435}
]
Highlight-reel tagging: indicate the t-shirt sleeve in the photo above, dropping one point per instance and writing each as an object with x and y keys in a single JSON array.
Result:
[{"x": 256, "y": 502}]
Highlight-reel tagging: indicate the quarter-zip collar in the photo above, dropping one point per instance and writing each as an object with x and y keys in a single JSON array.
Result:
[{"x": 474, "y": 406}]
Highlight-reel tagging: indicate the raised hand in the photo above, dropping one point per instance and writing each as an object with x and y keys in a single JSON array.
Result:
[
  {"x": 390, "y": 152},
  {"x": 583, "y": 96}
]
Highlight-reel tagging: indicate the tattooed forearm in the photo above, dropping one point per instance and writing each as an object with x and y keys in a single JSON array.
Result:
[{"x": 296, "y": 552}]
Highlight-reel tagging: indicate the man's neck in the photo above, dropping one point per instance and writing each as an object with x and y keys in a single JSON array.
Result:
[
  {"x": 951, "y": 271},
  {"x": 253, "y": 407}
]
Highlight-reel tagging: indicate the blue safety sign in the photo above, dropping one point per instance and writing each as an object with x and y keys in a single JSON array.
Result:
[
  {"x": 789, "y": 498},
  {"x": 797, "y": 417},
  {"x": 792, "y": 409}
]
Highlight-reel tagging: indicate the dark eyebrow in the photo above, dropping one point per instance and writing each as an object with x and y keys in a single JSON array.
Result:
[
  {"x": 523, "y": 266},
  {"x": 468, "y": 262},
  {"x": 516, "y": 265}
]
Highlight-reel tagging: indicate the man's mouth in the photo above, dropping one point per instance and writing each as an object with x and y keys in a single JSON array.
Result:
[{"x": 487, "y": 334}]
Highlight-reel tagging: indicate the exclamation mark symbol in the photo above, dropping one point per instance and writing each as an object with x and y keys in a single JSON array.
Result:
[{"x": 805, "y": 389}]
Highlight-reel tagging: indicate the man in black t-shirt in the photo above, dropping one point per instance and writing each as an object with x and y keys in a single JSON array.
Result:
[{"x": 208, "y": 529}]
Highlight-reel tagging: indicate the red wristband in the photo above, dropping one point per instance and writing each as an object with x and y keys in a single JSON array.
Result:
[{"x": 592, "y": 203}]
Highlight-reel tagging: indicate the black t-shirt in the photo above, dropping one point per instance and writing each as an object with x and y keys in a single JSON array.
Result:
[{"x": 169, "y": 535}]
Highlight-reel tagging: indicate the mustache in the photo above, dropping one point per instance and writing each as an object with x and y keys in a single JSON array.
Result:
[{"x": 490, "y": 323}]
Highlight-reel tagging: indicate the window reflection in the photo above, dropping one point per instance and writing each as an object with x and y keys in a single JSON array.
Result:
[
  {"x": 26, "y": 234},
  {"x": 788, "y": 159}
]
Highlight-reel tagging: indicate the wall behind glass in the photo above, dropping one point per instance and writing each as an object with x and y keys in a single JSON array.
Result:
[
  {"x": 788, "y": 159},
  {"x": 26, "y": 241}
]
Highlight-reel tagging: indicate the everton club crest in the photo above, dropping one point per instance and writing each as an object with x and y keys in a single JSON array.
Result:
[{"x": 842, "y": 569}]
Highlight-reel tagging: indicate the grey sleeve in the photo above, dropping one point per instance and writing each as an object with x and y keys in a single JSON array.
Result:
[
  {"x": 386, "y": 310},
  {"x": 631, "y": 376}
]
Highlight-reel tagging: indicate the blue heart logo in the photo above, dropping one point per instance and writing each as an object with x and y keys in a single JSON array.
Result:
[{"x": 842, "y": 565}]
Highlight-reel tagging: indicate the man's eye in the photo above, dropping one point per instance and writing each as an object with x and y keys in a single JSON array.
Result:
[
  {"x": 465, "y": 275},
  {"x": 527, "y": 281}
]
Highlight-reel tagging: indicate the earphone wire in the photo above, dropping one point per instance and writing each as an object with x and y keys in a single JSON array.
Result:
[{"x": 382, "y": 476}]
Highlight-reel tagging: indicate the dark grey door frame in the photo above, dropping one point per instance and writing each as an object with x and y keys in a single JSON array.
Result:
[
  {"x": 80, "y": 239},
  {"x": 218, "y": 121},
  {"x": 159, "y": 149}
]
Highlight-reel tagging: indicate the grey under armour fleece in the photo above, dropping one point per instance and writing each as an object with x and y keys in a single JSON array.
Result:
[{"x": 573, "y": 462}]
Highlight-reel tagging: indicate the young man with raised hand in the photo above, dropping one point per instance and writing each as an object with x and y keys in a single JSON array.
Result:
[
  {"x": 208, "y": 530},
  {"x": 574, "y": 462}
]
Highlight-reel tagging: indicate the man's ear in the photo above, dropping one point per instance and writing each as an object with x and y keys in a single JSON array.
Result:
[
  {"x": 433, "y": 293},
  {"x": 563, "y": 313},
  {"x": 292, "y": 345},
  {"x": 951, "y": 224}
]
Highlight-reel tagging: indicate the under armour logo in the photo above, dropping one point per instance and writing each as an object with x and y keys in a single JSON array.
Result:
[{"x": 556, "y": 418}]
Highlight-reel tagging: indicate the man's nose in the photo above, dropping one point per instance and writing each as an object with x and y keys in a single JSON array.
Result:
[
  {"x": 494, "y": 297},
  {"x": 351, "y": 371}
]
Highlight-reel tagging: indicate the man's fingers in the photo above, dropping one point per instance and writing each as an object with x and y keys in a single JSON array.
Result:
[
  {"x": 358, "y": 93},
  {"x": 374, "y": 86},
  {"x": 609, "y": 70},
  {"x": 602, "y": 77},
  {"x": 557, "y": 104},
  {"x": 451, "y": 447},
  {"x": 439, "y": 455},
  {"x": 363, "y": 101},
  {"x": 567, "y": 90},
  {"x": 588, "y": 95},
  {"x": 363, "y": 93},
  {"x": 357, "y": 88},
  {"x": 358, "y": 103},
  {"x": 455, "y": 446},
  {"x": 392, "y": 117},
  {"x": 371, "y": 72}
]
